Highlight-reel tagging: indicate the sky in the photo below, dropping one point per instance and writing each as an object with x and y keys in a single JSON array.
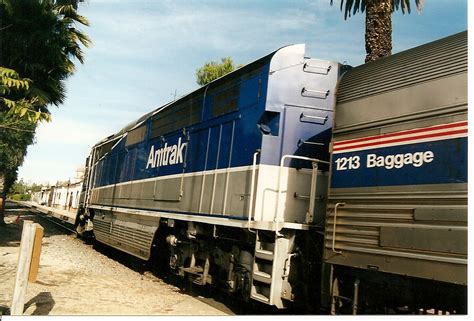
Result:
[{"x": 145, "y": 53}]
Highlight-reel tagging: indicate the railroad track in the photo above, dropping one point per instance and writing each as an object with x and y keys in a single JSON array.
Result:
[
  {"x": 48, "y": 215},
  {"x": 63, "y": 224}
]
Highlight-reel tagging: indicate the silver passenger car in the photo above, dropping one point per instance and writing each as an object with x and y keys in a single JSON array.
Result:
[{"x": 398, "y": 193}]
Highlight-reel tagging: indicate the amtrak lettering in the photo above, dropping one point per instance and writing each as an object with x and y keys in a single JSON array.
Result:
[{"x": 167, "y": 155}]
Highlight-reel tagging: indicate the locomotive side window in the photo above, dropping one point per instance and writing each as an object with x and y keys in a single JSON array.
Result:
[
  {"x": 226, "y": 101},
  {"x": 176, "y": 117},
  {"x": 136, "y": 136},
  {"x": 254, "y": 73},
  {"x": 105, "y": 148}
]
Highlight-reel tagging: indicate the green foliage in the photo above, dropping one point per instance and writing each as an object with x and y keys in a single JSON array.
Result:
[
  {"x": 378, "y": 22},
  {"x": 40, "y": 43},
  {"x": 19, "y": 187},
  {"x": 360, "y": 5},
  {"x": 42, "y": 49},
  {"x": 22, "y": 188},
  {"x": 19, "y": 191},
  {"x": 10, "y": 82},
  {"x": 9, "y": 79},
  {"x": 213, "y": 70},
  {"x": 21, "y": 197},
  {"x": 34, "y": 188},
  {"x": 13, "y": 145}
]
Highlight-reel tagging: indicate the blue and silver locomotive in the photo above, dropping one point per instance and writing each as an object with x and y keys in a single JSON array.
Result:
[{"x": 292, "y": 180}]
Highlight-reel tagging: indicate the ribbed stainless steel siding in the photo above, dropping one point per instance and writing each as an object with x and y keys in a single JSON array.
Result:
[
  {"x": 131, "y": 240},
  {"x": 438, "y": 59},
  {"x": 358, "y": 237}
]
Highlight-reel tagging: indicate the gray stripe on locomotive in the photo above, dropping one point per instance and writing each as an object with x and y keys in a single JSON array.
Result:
[{"x": 295, "y": 100}]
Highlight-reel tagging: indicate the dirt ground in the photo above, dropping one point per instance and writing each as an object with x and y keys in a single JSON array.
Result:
[{"x": 76, "y": 279}]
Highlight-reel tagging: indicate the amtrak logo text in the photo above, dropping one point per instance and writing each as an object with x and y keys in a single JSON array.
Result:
[{"x": 167, "y": 155}]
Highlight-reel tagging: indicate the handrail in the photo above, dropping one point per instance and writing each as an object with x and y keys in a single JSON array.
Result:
[
  {"x": 278, "y": 215},
  {"x": 334, "y": 228},
  {"x": 90, "y": 174},
  {"x": 312, "y": 193},
  {"x": 252, "y": 187}
]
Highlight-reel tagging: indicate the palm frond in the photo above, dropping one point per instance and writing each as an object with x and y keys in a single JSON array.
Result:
[
  {"x": 353, "y": 6},
  {"x": 419, "y": 4},
  {"x": 43, "y": 98},
  {"x": 69, "y": 12},
  {"x": 82, "y": 37},
  {"x": 356, "y": 7},
  {"x": 82, "y": 20},
  {"x": 404, "y": 5}
]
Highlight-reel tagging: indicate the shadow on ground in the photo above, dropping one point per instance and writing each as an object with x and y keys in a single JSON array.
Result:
[
  {"x": 43, "y": 302},
  {"x": 4, "y": 310},
  {"x": 210, "y": 295}
]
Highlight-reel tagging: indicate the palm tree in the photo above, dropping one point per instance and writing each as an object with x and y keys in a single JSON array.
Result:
[
  {"x": 378, "y": 22},
  {"x": 42, "y": 48},
  {"x": 40, "y": 42}
]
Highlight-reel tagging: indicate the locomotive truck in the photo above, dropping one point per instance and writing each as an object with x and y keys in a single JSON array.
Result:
[{"x": 295, "y": 181}]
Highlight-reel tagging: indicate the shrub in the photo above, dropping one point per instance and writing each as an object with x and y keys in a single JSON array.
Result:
[{"x": 21, "y": 197}]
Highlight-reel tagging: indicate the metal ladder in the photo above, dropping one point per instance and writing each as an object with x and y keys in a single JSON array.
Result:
[
  {"x": 270, "y": 267},
  {"x": 198, "y": 274}
]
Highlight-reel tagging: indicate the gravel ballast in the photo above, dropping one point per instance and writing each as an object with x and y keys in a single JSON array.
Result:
[{"x": 76, "y": 279}]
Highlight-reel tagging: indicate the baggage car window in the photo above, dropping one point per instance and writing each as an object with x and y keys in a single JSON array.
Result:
[{"x": 136, "y": 136}]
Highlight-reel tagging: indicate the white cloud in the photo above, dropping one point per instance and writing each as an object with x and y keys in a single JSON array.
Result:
[
  {"x": 176, "y": 25},
  {"x": 69, "y": 131}
]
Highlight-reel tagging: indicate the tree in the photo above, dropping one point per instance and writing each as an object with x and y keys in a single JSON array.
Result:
[
  {"x": 42, "y": 49},
  {"x": 213, "y": 70},
  {"x": 378, "y": 22},
  {"x": 22, "y": 190},
  {"x": 13, "y": 145},
  {"x": 39, "y": 42},
  {"x": 20, "y": 116},
  {"x": 11, "y": 83}
]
